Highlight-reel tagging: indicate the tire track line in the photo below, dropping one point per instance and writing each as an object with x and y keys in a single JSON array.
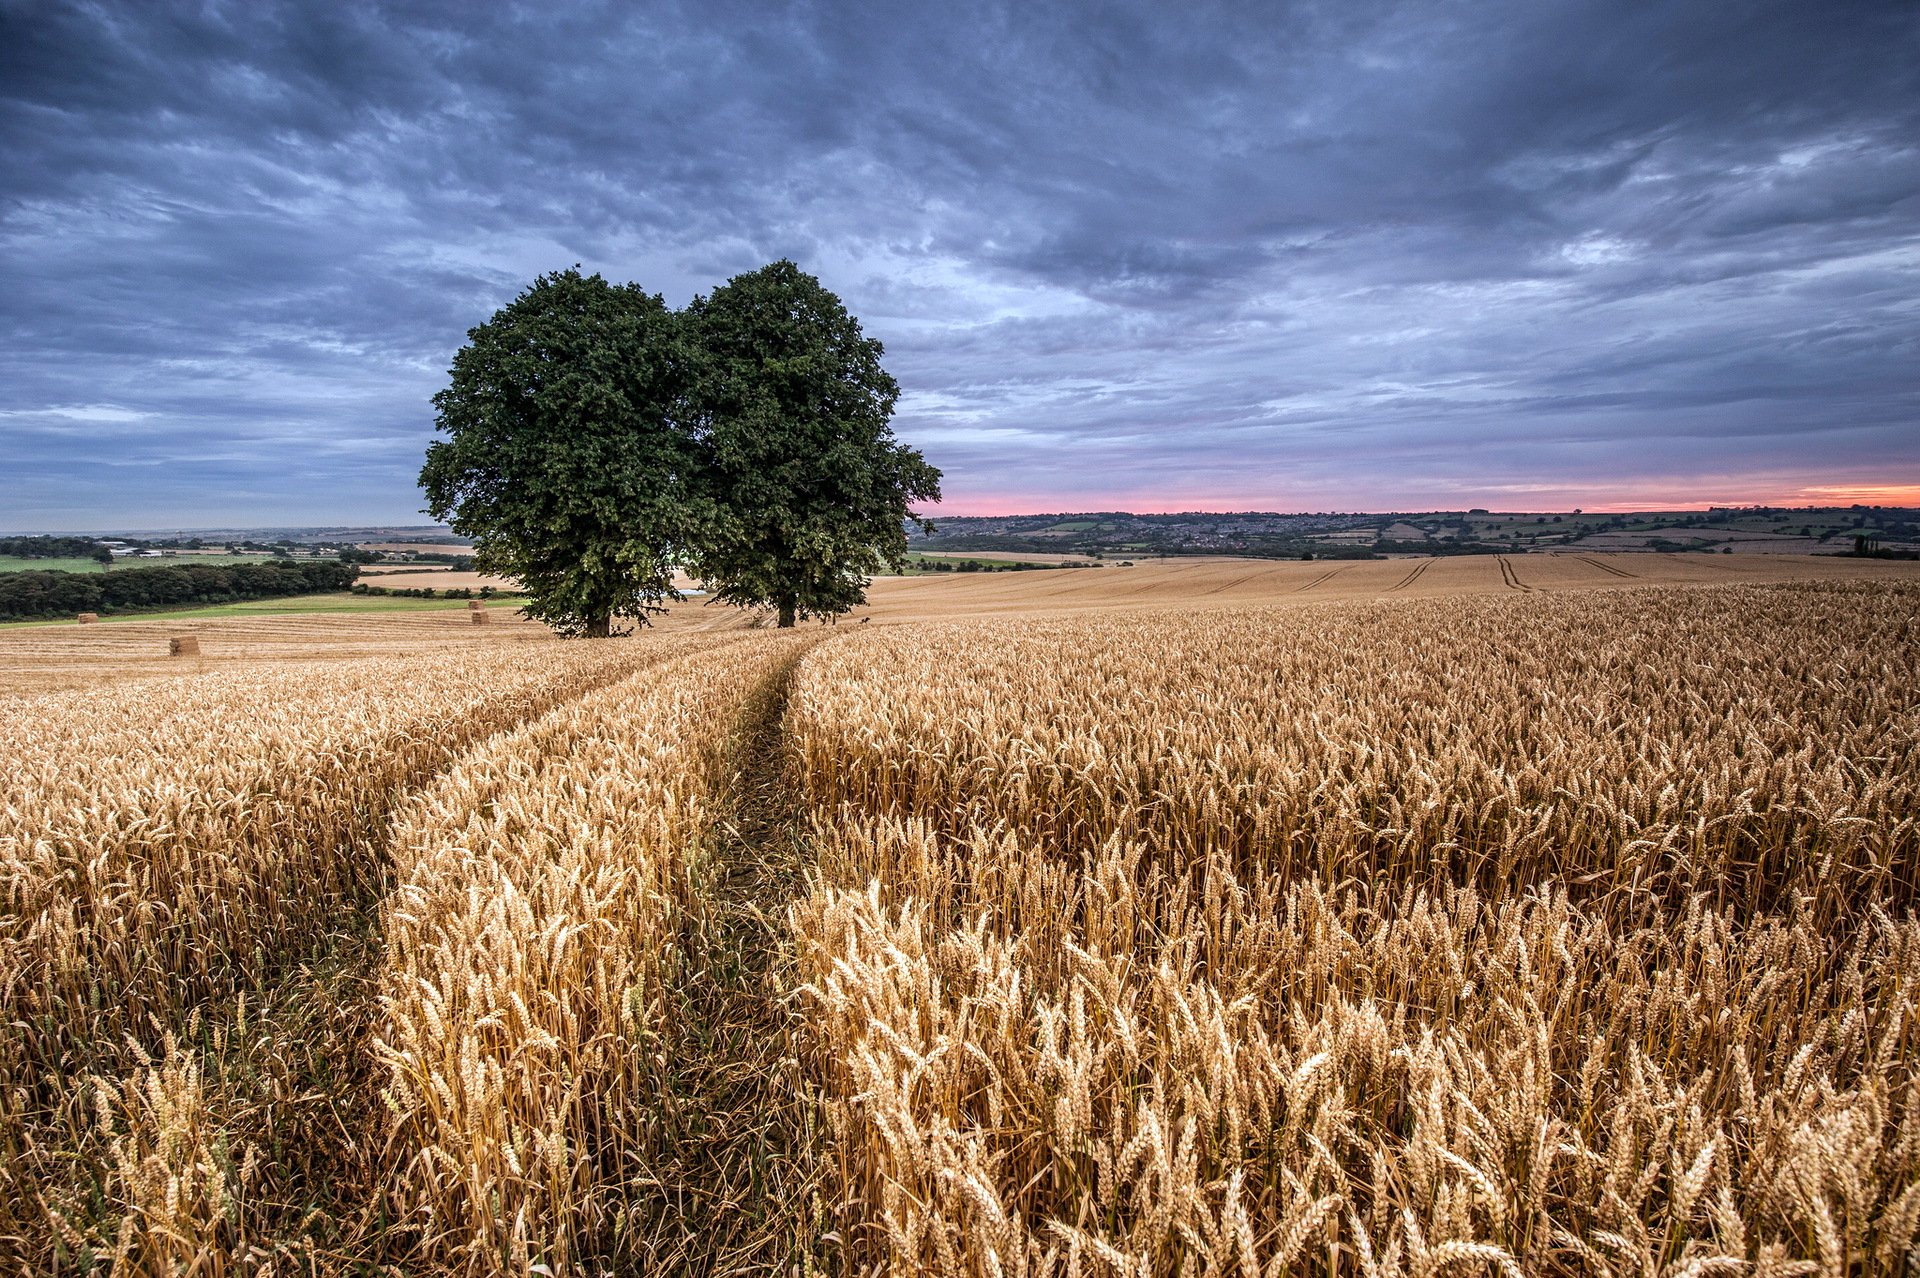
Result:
[
  {"x": 1411, "y": 577},
  {"x": 317, "y": 1088},
  {"x": 1322, "y": 579},
  {"x": 1606, "y": 567},
  {"x": 733, "y": 1189}
]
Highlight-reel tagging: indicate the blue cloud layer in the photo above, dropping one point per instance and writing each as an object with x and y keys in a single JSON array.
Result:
[{"x": 1284, "y": 255}]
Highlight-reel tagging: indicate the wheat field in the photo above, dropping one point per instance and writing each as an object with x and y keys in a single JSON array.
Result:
[
  {"x": 1239, "y": 926},
  {"x": 1532, "y": 936}
]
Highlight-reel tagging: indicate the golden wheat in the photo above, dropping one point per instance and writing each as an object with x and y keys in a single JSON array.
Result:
[
  {"x": 1526, "y": 933},
  {"x": 172, "y": 847},
  {"x": 546, "y": 888},
  {"x": 1540, "y": 936}
]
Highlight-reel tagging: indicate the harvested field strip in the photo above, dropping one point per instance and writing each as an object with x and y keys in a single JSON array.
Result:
[
  {"x": 238, "y": 875},
  {"x": 254, "y": 647},
  {"x": 1557, "y": 938},
  {"x": 1604, "y": 566},
  {"x": 551, "y": 905},
  {"x": 1418, "y": 572}
]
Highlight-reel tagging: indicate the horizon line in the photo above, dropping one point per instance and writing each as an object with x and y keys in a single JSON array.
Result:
[{"x": 151, "y": 531}]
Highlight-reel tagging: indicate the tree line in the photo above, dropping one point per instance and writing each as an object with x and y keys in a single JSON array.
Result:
[
  {"x": 45, "y": 547},
  {"x": 597, "y": 441},
  {"x": 36, "y": 594},
  {"x": 426, "y": 592}
]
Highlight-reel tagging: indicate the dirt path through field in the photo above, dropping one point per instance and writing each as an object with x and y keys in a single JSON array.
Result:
[{"x": 732, "y": 1194}]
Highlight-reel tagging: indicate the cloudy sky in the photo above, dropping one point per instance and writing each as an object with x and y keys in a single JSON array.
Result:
[{"x": 1281, "y": 256}]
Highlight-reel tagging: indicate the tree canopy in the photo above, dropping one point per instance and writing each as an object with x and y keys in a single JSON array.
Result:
[
  {"x": 566, "y": 457},
  {"x": 811, "y": 488},
  {"x": 597, "y": 439}
]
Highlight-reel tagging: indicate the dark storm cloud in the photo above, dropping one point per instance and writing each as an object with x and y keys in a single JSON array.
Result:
[{"x": 1280, "y": 255}]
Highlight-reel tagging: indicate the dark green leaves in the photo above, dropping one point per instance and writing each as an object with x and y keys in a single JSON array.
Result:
[
  {"x": 596, "y": 439},
  {"x": 811, "y": 487},
  {"x": 567, "y": 460}
]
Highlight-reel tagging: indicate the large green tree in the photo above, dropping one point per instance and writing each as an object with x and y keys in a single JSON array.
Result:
[
  {"x": 566, "y": 458},
  {"x": 811, "y": 488}
]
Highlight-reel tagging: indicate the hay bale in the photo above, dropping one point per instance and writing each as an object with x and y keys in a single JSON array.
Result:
[
  {"x": 474, "y": 605},
  {"x": 479, "y": 616},
  {"x": 183, "y": 646},
  {"x": 88, "y": 618}
]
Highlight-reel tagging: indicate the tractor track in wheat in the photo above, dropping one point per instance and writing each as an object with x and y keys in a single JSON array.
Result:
[
  {"x": 1322, "y": 579},
  {"x": 1603, "y": 566},
  {"x": 729, "y": 1197},
  {"x": 1411, "y": 577}
]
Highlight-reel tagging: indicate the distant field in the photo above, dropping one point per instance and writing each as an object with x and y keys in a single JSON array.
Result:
[
  {"x": 330, "y": 603},
  {"x": 919, "y": 563},
  {"x": 1180, "y": 582},
  {"x": 414, "y": 576},
  {"x": 1006, "y": 556},
  {"x": 416, "y": 547},
  {"x": 1211, "y": 582},
  {"x": 13, "y": 563},
  {"x": 318, "y": 603}
]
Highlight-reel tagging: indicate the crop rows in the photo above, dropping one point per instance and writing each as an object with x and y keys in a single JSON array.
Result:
[
  {"x": 168, "y": 851},
  {"x": 1542, "y": 935},
  {"x": 548, "y": 892},
  {"x": 1526, "y": 933}
]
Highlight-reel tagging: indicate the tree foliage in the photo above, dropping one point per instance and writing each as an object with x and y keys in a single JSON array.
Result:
[
  {"x": 38, "y": 593},
  {"x": 811, "y": 488},
  {"x": 44, "y": 547},
  {"x": 596, "y": 440},
  {"x": 565, "y": 458}
]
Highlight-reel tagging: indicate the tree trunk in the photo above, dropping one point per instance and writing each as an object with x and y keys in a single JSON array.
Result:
[
  {"x": 788, "y": 606},
  {"x": 599, "y": 627}
]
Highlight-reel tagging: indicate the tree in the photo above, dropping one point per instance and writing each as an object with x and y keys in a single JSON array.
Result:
[
  {"x": 565, "y": 460},
  {"x": 811, "y": 488}
]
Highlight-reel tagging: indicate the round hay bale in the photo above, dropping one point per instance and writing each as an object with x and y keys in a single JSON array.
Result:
[
  {"x": 183, "y": 646},
  {"x": 88, "y": 618}
]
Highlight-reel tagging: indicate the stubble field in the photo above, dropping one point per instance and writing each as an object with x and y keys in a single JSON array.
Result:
[{"x": 1361, "y": 919}]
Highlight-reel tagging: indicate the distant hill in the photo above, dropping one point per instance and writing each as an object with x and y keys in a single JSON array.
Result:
[
  {"x": 1722, "y": 530},
  {"x": 329, "y": 534}
]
